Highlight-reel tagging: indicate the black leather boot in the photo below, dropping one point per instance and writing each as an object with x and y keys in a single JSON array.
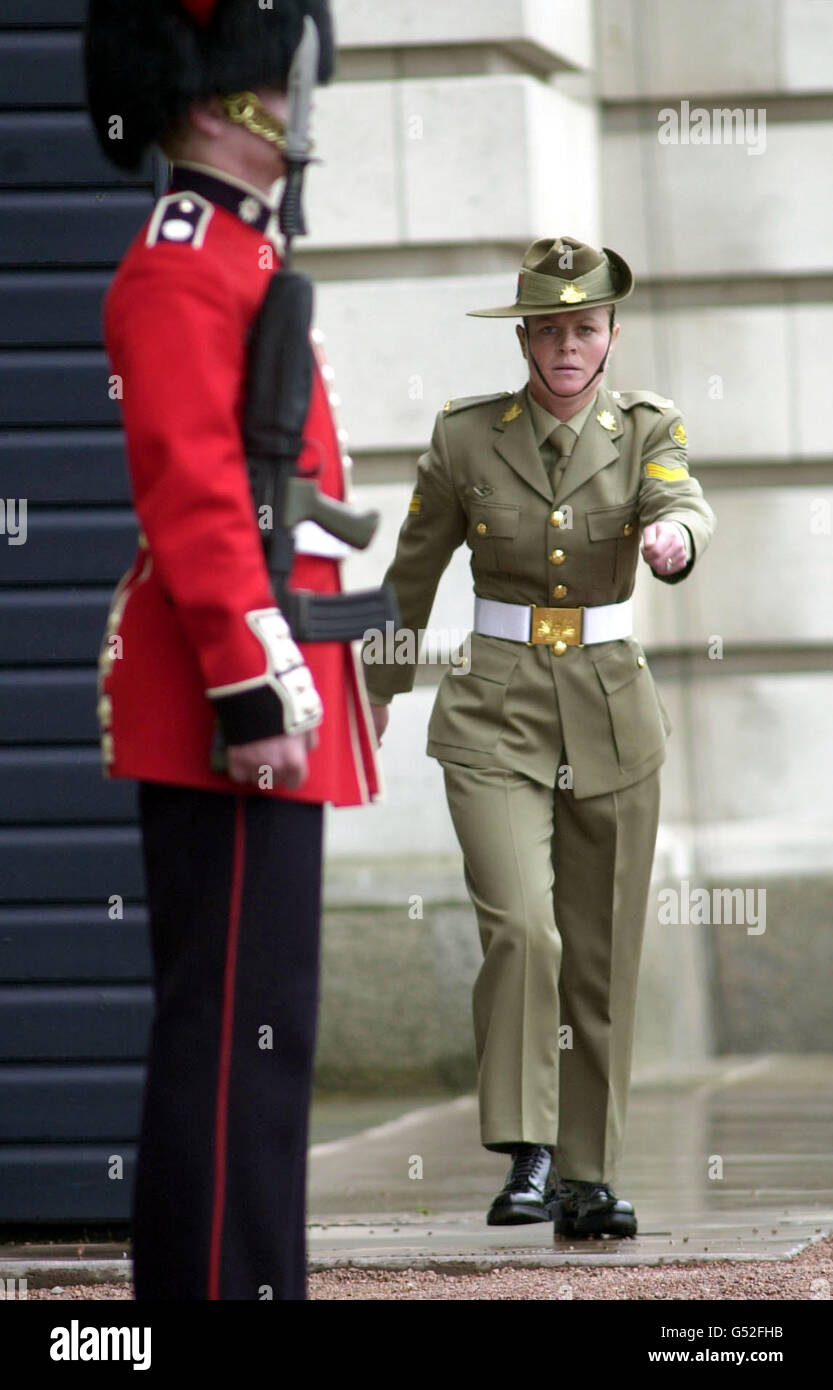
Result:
[
  {"x": 529, "y": 1189},
  {"x": 591, "y": 1209}
]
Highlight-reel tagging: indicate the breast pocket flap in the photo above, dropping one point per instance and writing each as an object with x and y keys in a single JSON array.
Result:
[
  {"x": 498, "y": 520},
  {"x": 608, "y": 523}
]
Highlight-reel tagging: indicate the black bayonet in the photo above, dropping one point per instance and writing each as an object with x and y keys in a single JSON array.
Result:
[{"x": 303, "y": 74}]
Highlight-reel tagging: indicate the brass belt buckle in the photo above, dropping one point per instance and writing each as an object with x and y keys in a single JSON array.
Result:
[{"x": 550, "y": 625}]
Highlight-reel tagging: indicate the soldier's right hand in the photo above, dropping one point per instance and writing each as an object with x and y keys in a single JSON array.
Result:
[{"x": 285, "y": 754}]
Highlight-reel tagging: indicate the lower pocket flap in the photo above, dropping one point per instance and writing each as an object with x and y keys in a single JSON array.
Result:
[
  {"x": 618, "y": 668},
  {"x": 491, "y": 659}
]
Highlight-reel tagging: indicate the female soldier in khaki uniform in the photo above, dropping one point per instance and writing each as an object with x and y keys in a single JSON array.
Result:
[{"x": 551, "y": 743}]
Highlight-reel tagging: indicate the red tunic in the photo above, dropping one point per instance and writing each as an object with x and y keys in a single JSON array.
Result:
[{"x": 177, "y": 319}]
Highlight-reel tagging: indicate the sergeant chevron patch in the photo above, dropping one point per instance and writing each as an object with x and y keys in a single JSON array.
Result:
[{"x": 667, "y": 475}]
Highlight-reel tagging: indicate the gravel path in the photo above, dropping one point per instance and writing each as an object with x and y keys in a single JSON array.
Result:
[{"x": 807, "y": 1276}]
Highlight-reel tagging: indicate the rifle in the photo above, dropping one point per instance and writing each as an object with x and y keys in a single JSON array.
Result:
[
  {"x": 279, "y": 386},
  {"x": 277, "y": 402}
]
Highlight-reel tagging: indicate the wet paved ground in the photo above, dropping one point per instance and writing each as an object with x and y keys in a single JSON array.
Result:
[{"x": 734, "y": 1161}]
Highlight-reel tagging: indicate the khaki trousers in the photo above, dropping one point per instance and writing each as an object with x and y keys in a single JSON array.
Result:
[{"x": 560, "y": 890}]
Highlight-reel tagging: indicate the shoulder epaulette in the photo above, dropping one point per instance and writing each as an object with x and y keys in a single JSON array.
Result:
[
  {"x": 181, "y": 218},
  {"x": 627, "y": 399},
  {"x": 466, "y": 402}
]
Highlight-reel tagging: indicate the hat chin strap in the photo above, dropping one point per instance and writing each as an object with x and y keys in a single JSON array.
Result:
[
  {"x": 245, "y": 109},
  {"x": 568, "y": 395}
]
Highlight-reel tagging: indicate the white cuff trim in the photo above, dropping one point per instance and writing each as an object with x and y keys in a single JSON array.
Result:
[{"x": 286, "y": 672}]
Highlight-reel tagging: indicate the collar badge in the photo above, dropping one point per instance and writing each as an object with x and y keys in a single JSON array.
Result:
[{"x": 249, "y": 209}]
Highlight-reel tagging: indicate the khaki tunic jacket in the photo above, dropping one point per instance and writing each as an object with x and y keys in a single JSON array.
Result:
[{"x": 483, "y": 481}]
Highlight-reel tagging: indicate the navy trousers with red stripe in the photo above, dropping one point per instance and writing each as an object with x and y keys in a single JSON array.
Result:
[{"x": 234, "y": 897}]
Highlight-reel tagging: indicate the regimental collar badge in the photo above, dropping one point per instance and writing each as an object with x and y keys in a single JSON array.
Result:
[
  {"x": 512, "y": 413},
  {"x": 606, "y": 420},
  {"x": 572, "y": 294},
  {"x": 249, "y": 209}
]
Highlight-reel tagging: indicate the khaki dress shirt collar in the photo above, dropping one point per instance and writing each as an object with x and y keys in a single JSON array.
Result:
[{"x": 543, "y": 423}]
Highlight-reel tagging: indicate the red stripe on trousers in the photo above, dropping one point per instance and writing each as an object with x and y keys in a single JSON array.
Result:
[{"x": 226, "y": 1039}]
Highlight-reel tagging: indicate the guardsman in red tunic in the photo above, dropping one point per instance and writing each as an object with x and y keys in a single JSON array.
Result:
[{"x": 197, "y": 645}]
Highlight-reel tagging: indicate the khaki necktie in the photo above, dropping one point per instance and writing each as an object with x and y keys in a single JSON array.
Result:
[{"x": 562, "y": 440}]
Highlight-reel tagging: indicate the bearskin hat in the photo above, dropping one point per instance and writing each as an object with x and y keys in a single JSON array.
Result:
[{"x": 148, "y": 60}]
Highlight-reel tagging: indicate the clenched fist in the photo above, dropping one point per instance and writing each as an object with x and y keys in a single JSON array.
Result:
[{"x": 663, "y": 547}]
